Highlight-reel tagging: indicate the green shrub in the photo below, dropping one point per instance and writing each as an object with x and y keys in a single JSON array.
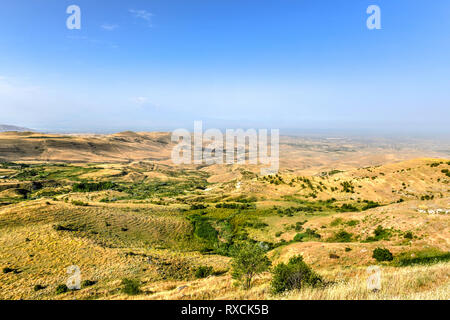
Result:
[
  {"x": 299, "y": 225},
  {"x": 131, "y": 286},
  {"x": 379, "y": 234},
  {"x": 198, "y": 207},
  {"x": 381, "y": 254},
  {"x": 341, "y": 236},
  {"x": 203, "y": 272},
  {"x": 38, "y": 287},
  {"x": 352, "y": 223},
  {"x": 79, "y": 203},
  {"x": 87, "y": 283},
  {"x": 336, "y": 222},
  {"x": 293, "y": 275},
  {"x": 408, "y": 235},
  {"x": 308, "y": 234},
  {"x": 7, "y": 270},
  {"x": 62, "y": 288},
  {"x": 347, "y": 187}
]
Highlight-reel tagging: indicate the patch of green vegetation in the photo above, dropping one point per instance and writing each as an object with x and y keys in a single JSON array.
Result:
[
  {"x": 309, "y": 234},
  {"x": 62, "y": 288},
  {"x": 10, "y": 270},
  {"x": 203, "y": 272},
  {"x": 341, "y": 236},
  {"x": 346, "y": 207},
  {"x": 39, "y": 287},
  {"x": 294, "y": 275},
  {"x": 435, "y": 164},
  {"x": 348, "y": 187},
  {"x": 299, "y": 225},
  {"x": 249, "y": 260},
  {"x": 87, "y": 283},
  {"x": 69, "y": 227},
  {"x": 408, "y": 235},
  {"x": 237, "y": 206},
  {"x": 427, "y": 197},
  {"x": 379, "y": 234},
  {"x": 446, "y": 172},
  {"x": 203, "y": 228},
  {"x": 336, "y": 222},
  {"x": 370, "y": 205},
  {"x": 156, "y": 188},
  {"x": 131, "y": 286},
  {"x": 423, "y": 257},
  {"x": 93, "y": 186},
  {"x": 256, "y": 224},
  {"x": 352, "y": 223},
  {"x": 382, "y": 254},
  {"x": 198, "y": 206},
  {"x": 79, "y": 203}
]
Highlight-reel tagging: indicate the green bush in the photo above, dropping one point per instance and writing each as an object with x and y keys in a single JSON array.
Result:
[
  {"x": 380, "y": 233},
  {"x": 293, "y": 275},
  {"x": 62, "y": 288},
  {"x": 38, "y": 287},
  {"x": 308, "y": 234},
  {"x": 79, "y": 203},
  {"x": 7, "y": 270},
  {"x": 381, "y": 254},
  {"x": 352, "y": 223},
  {"x": 203, "y": 272},
  {"x": 408, "y": 235},
  {"x": 87, "y": 283},
  {"x": 131, "y": 286},
  {"x": 198, "y": 206},
  {"x": 341, "y": 236},
  {"x": 336, "y": 222}
]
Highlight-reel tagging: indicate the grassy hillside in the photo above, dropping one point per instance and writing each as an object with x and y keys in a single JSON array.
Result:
[{"x": 156, "y": 225}]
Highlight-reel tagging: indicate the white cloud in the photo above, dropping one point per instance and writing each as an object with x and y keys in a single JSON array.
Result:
[
  {"x": 109, "y": 27},
  {"x": 140, "y": 100},
  {"x": 142, "y": 14}
]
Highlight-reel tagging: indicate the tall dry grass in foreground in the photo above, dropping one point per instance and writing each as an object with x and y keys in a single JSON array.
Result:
[
  {"x": 418, "y": 282},
  {"x": 408, "y": 283}
]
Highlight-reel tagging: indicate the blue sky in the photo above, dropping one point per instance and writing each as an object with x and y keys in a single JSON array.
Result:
[{"x": 288, "y": 64}]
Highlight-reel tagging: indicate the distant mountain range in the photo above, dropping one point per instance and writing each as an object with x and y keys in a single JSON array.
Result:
[{"x": 5, "y": 127}]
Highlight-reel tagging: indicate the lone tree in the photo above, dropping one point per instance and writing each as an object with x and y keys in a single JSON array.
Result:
[{"x": 249, "y": 260}]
